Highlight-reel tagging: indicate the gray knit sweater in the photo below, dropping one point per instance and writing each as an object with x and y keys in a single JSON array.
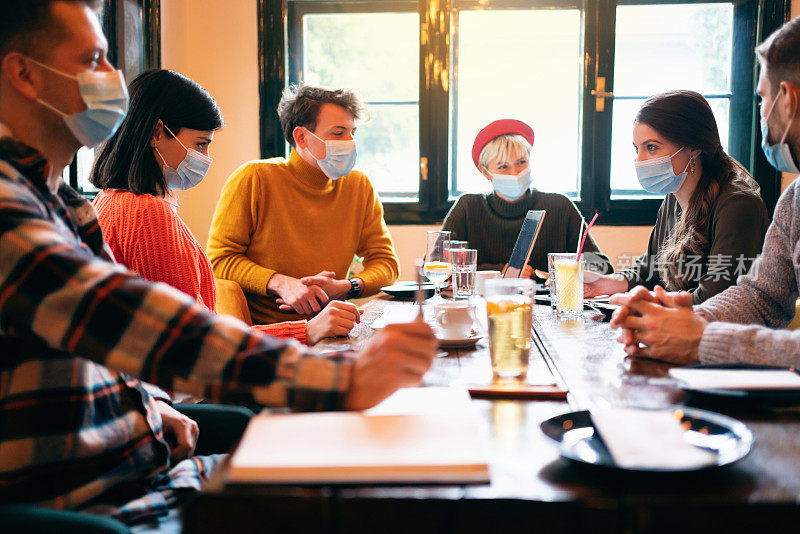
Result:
[{"x": 748, "y": 318}]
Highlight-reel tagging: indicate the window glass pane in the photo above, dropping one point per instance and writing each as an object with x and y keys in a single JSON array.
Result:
[
  {"x": 355, "y": 50},
  {"x": 661, "y": 47},
  {"x": 85, "y": 161},
  {"x": 388, "y": 149},
  {"x": 524, "y": 65},
  {"x": 675, "y": 46}
]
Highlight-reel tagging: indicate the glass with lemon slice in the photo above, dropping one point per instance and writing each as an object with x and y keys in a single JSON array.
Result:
[{"x": 509, "y": 304}]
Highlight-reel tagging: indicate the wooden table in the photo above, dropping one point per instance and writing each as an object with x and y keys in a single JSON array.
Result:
[{"x": 532, "y": 487}]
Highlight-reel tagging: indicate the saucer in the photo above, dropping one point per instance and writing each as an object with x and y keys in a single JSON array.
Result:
[{"x": 460, "y": 343}]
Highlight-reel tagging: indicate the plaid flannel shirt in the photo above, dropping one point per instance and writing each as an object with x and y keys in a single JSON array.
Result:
[{"x": 76, "y": 429}]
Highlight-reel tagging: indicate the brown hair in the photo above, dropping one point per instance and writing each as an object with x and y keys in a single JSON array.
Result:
[
  {"x": 26, "y": 24},
  {"x": 685, "y": 118},
  {"x": 779, "y": 54},
  {"x": 300, "y": 104}
]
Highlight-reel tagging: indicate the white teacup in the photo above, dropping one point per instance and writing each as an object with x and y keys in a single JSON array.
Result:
[
  {"x": 480, "y": 280},
  {"x": 455, "y": 319}
]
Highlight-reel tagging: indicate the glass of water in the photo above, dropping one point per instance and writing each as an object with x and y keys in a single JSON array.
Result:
[{"x": 465, "y": 263}]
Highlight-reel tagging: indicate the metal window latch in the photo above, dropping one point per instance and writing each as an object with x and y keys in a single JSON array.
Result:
[
  {"x": 423, "y": 168},
  {"x": 601, "y": 94}
]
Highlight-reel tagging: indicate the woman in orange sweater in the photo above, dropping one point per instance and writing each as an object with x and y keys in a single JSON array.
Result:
[{"x": 162, "y": 147}]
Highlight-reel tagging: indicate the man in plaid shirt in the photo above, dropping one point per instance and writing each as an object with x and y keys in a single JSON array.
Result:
[{"x": 77, "y": 429}]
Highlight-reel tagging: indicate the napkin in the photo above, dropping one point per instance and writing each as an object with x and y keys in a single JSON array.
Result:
[
  {"x": 762, "y": 379},
  {"x": 648, "y": 439}
]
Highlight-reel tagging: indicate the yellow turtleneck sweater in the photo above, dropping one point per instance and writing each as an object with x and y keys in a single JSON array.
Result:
[{"x": 278, "y": 216}]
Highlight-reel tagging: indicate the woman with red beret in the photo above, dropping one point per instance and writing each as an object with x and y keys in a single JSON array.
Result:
[{"x": 491, "y": 222}]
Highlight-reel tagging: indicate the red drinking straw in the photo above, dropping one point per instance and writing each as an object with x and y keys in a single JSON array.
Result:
[{"x": 585, "y": 233}]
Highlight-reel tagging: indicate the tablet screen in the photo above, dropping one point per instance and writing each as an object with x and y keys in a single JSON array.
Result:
[{"x": 524, "y": 246}]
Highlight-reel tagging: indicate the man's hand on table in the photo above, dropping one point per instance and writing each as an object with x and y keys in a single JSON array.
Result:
[
  {"x": 663, "y": 322},
  {"x": 326, "y": 280},
  {"x": 295, "y": 295},
  {"x": 335, "y": 320},
  {"x": 180, "y": 432},
  {"x": 397, "y": 356}
]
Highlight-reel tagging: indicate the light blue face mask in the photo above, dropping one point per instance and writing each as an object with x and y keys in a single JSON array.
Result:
[
  {"x": 106, "y": 99},
  {"x": 657, "y": 176},
  {"x": 191, "y": 170},
  {"x": 340, "y": 157},
  {"x": 512, "y": 186},
  {"x": 778, "y": 155}
]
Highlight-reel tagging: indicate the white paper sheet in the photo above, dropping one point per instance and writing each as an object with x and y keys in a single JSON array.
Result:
[
  {"x": 737, "y": 378},
  {"x": 648, "y": 439},
  {"x": 400, "y": 313}
]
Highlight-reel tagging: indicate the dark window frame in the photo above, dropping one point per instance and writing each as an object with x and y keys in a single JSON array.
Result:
[
  {"x": 147, "y": 42},
  {"x": 280, "y": 56}
]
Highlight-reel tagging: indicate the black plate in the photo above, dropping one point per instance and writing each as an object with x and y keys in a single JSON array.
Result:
[
  {"x": 729, "y": 439},
  {"x": 782, "y": 397},
  {"x": 407, "y": 290}
]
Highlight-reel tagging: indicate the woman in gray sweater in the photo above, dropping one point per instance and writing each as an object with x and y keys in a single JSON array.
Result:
[
  {"x": 711, "y": 225},
  {"x": 491, "y": 222}
]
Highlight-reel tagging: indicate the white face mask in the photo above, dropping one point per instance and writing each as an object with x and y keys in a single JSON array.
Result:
[
  {"x": 191, "y": 170},
  {"x": 657, "y": 176},
  {"x": 106, "y": 99},
  {"x": 512, "y": 186},
  {"x": 340, "y": 157}
]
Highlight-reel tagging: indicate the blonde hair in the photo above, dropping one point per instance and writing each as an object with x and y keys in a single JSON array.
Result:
[{"x": 502, "y": 147}]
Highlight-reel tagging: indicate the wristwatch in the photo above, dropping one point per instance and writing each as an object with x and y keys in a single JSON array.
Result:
[{"x": 355, "y": 288}]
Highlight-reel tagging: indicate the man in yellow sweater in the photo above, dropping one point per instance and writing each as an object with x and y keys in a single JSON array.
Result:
[{"x": 287, "y": 231}]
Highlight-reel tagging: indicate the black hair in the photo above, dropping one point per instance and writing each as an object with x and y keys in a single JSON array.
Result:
[
  {"x": 26, "y": 24},
  {"x": 126, "y": 161}
]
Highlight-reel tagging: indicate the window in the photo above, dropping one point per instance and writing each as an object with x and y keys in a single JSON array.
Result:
[
  {"x": 658, "y": 47},
  {"x": 434, "y": 72},
  {"x": 522, "y": 64},
  {"x": 378, "y": 55}
]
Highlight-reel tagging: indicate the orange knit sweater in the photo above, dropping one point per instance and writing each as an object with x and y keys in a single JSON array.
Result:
[{"x": 146, "y": 235}]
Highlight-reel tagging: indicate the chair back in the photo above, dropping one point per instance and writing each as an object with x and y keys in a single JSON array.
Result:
[{"x": 231, "y": 300}]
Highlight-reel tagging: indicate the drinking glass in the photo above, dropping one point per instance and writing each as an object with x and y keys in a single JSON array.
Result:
[
  {"x": 568, "y": 276},
  {"x": 465, "y": 263},
  {"x": 458, "y": 244},
  {"x": 437, "y": 267},
  {"x": 551, "y": 271},
  {"x": 509, "y": 304}
]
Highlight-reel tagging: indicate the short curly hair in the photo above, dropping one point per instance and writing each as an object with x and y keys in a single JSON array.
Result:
[{"x": 300, "y": 104}]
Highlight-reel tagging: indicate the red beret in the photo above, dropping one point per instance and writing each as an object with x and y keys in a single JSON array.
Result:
[{"x": 496, "y": 129}]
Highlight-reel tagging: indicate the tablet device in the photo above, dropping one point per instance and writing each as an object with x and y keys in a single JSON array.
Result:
[{"x": 524, "y": 246}]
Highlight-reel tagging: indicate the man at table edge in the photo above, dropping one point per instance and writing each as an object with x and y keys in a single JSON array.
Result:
[
  {"x": 77, "y": 428},
  {"x": 287, "y": 230},
  {"x": 745, "y": 323}
]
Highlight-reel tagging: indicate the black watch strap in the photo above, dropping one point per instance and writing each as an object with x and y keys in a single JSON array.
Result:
[{"x": 355, "y": 288}]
